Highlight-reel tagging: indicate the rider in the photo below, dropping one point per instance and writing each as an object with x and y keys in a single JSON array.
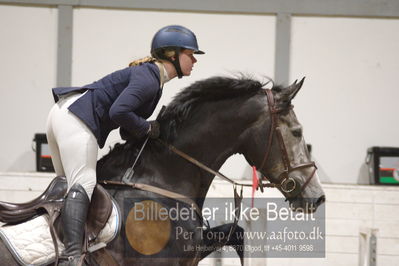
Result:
[{"x": 82, "y": 118}]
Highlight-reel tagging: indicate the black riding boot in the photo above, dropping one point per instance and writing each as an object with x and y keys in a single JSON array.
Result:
[{"x": 73, "y": 219}]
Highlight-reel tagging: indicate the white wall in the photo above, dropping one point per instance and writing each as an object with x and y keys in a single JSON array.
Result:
[
  {"x": 350, "y": 97},
  {"x": 27, "y": 72},
  {"x": 347, "y": 104}
]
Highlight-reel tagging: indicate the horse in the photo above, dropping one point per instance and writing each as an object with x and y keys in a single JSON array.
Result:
[{"x": 210, "y": 121}]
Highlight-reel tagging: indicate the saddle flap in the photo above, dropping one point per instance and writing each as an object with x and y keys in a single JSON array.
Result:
[{"x": 99, "y": 211}]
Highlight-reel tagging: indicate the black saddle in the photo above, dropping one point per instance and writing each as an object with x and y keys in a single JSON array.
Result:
[
  {"x": 51, "y": 202},
  {"x": 19, "y": 212}
]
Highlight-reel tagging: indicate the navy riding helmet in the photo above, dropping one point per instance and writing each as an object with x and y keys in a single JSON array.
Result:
[{"x": 174, "y": 37}]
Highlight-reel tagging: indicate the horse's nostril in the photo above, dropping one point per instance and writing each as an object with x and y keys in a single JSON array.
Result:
[{"x": 321, "y": 200}]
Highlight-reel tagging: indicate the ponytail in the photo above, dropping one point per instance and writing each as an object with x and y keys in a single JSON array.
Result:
[{"x": 147, "y": 59}]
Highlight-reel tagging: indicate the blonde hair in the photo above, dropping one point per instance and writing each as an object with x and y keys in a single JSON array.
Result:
[
  {"x": 167, "y": 53},
  {"x": 147, "y": 59}
]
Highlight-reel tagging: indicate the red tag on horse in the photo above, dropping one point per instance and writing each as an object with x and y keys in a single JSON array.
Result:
[{"x": 254, "y": 183}]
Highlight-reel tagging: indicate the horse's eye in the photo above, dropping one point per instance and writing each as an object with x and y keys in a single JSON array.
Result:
[{"x": 297, "y": 133}]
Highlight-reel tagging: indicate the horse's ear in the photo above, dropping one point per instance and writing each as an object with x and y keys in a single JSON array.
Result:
[
  {"x": 294, "y": 88},
  {"x": 285, "y": 95}
]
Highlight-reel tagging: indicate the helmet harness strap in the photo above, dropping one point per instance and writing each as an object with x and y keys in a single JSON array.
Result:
[{"x": 176, "y": 63}]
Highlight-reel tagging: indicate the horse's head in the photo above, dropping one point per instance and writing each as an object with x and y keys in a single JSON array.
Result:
[{"x": 276, "y": 146}]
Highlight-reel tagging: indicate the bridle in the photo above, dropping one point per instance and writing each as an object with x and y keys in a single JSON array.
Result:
[{"x": 287, "y": 184}]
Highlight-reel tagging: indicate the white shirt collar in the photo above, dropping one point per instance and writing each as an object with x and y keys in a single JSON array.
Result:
[{"x": 165, "y": 74}]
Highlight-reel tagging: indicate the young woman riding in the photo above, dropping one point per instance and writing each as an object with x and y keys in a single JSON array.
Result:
[{"x": 82, "y": 118}]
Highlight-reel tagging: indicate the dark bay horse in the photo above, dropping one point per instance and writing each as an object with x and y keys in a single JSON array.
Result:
[{"x": 210, "y": 120}]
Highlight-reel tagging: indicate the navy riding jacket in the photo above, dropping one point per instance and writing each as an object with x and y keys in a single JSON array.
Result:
[{"x": 124, "y": 98}]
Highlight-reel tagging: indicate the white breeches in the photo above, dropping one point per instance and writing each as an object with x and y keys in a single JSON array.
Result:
[{"x": 72, "y": 145}]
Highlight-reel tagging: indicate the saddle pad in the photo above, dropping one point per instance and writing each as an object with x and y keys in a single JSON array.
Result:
[{"x": 31, "y": 243}]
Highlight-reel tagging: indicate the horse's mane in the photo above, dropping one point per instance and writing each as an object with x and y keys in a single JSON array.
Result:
[
  {"x": 207, "y": 90},
  {"x": 211, "y": 89}
]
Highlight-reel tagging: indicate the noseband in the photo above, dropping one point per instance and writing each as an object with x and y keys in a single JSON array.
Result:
[{"x": 286, "y": 183}]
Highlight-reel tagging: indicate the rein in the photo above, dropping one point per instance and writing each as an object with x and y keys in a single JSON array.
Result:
[{"x": 206, "y": 168}]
